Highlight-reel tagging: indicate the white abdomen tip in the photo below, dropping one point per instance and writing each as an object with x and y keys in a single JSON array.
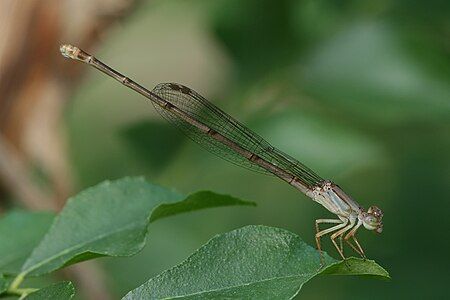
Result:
[{"x": 69, "y": 51}]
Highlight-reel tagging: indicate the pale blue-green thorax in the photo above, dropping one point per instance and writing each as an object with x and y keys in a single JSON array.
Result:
[{"x": 334, "y": 199}]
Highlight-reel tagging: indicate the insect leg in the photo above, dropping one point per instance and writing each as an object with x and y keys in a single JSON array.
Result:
[{"x": 340, "y": 223}]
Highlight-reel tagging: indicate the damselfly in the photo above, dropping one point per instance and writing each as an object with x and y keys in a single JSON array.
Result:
[{"x": 224, "y": 136}]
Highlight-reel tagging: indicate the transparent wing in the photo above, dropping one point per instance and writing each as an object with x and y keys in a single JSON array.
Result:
[{"x": 207, "y": 113}]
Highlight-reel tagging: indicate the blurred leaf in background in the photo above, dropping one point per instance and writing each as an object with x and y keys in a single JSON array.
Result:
[
  {"x": 154, "y": 143},
  {"x": 390, "y": 87},
  {"x": 260, "y": 38}
]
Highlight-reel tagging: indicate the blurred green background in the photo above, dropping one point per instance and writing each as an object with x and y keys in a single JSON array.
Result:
[{"x": 357, "y": 90}]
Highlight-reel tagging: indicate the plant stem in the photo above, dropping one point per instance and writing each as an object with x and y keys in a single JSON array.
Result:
[
  {"x": 16, "y": 291},
  {"x": 22, "y": 293},
  {"x": 16, "y": 282}
]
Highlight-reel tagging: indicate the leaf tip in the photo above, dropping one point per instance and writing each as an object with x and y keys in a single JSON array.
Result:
[{"x": 357, "y": 266}]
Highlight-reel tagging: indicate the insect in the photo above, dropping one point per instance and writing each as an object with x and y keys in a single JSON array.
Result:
[{"x": 226, "y": 137}]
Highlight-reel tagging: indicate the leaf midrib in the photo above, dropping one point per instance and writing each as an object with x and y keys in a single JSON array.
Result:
[
  {"x": 78, "y": 246},
  {"x": 240, "y": 285}
]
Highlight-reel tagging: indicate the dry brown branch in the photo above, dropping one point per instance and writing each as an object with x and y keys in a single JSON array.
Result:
[
  {"x": 15, "y": 174},
  {"x": 34, "y": 87}
]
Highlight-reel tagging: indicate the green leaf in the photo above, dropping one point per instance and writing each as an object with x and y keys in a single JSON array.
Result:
[
  {"x": 61, "y": 290},
  {"x": 255, "y": 262},
  {"x": 4, "y": 283},
  {"x": 20, "y": 232},
  {"x": 111, "y": 219},
  {"x": 196, "y": 201},
  {"x": 357, "y": 266}
]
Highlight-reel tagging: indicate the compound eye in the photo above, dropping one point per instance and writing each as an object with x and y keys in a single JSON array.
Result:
[{"x": 374, "y": 210}]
